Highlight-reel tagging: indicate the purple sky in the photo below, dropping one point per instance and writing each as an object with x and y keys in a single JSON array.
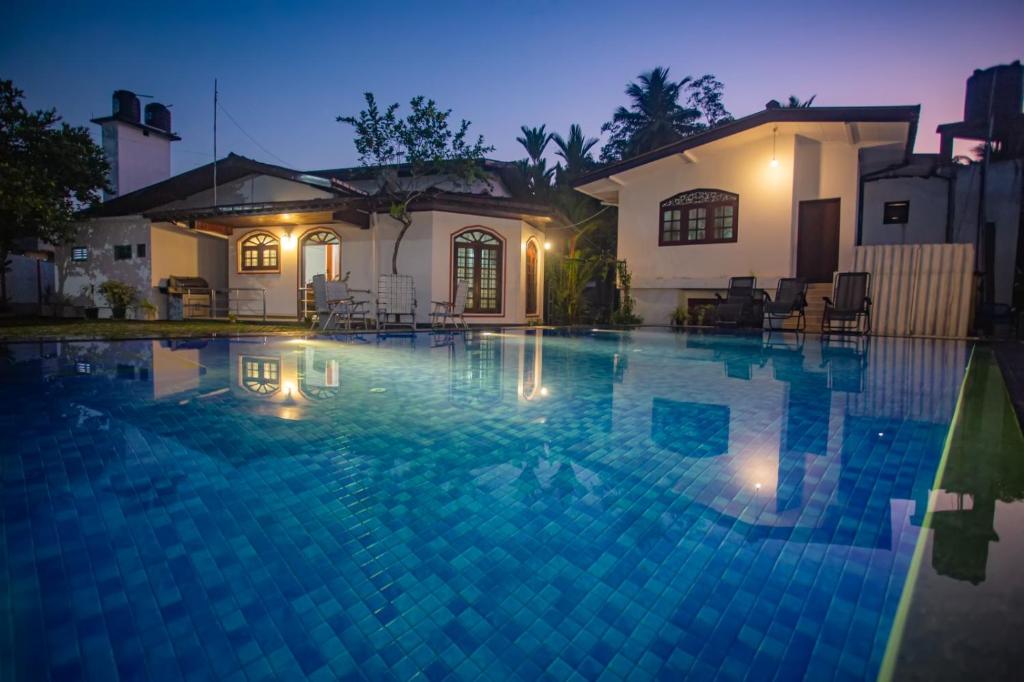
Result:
[{"x": 287, "y": 69}]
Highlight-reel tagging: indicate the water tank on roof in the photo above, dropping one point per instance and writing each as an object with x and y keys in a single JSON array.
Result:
[
  {"x": 126, "y": 106},
  {"x": 1001, "y": 85},
  {"x": 158, "y": 116}
]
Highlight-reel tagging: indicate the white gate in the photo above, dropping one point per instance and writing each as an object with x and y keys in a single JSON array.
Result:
[{"x": 919, "y": 289}]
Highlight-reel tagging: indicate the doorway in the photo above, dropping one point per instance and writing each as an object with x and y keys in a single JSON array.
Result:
[
  {"x": 319, "y": 254},
  {"x": 817, "y": 241}
]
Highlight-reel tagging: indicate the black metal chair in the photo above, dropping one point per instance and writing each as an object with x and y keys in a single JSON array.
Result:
[
  {"x": 850, "y": 303},
  {"x": 790, "y": 300},
  {"x": 738, "y": 303}
]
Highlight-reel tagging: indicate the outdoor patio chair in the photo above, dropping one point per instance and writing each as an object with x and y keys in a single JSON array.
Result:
[
  {"x": 849, "y": 306},
  {"x": 735, "y": 309},
  {"x": 396, "y": 299},
  {"x": 790, "y": 301},
  {"x": 443, "y": 310},
  {"x": 333, "y": 302},
  {"x": 345, "y": 305}
]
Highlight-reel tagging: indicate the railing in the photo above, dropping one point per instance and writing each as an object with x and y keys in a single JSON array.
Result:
[{"x": 224, "y": 303}]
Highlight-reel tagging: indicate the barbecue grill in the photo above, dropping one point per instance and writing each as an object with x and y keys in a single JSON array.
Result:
[{"x": 188, "y": 297}]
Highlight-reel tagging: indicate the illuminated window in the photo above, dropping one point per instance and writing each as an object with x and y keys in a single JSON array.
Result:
[
  {"x": 80, "y": 253},
  {"x": 261, "y": 375},
  {"x": 478, "y": 256},
  {"x": 699, "y": 216},
  {"x": 531, "y": 277},
  {"x": 259, "y": 252}
]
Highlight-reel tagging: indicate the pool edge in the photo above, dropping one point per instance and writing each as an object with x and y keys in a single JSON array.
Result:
[{"x": 892, "y": 647}]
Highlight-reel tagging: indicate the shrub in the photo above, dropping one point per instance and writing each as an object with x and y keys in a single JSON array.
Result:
[
  {"x": 118, "y": 294},
  {"x": 679, "y": 316}
]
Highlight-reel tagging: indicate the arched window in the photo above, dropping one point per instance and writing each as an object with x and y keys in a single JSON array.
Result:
[
  {"x": 259, "y": 252},
  {"x": 478, "y": 257},
  {"x": 260, "y": 375},
  {"x": 531, "y": 277},
  {"x": 699, "y": 216}
]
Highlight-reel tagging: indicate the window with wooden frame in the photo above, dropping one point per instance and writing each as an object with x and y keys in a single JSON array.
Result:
[
  {"x": 531, "y": 277},
  {"x": 259, "y": 252},
  {"x": 260, "y": 375},
  {"x": 478, "y": 257},
  {"x": 699, "y": 216}
]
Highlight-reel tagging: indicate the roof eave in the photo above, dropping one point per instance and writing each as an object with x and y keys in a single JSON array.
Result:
[{"x": 909, "y": 114}]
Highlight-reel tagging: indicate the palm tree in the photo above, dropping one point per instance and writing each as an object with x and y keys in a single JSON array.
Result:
[
  {"x": 534, "y": 140},
  {"x": 576, "y": 151},
  {"x": 795, "y": 103},
  {"x": 654, "y": 118}
]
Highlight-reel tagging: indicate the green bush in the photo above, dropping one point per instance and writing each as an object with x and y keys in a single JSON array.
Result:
[
  {"x": 118, "y": 294},
  {"x": 679, "y": 316}
]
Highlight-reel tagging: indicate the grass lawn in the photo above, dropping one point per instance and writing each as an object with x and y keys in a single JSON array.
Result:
[{"x": 36, "y": 329}]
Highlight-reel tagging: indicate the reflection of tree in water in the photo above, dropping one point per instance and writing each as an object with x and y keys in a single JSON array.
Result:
[{"x": 986, "y": 465}]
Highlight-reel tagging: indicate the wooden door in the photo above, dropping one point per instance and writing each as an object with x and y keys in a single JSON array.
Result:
[{"x": 817, "y": 241}]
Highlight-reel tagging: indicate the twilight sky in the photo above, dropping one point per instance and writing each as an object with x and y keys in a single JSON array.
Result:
[{"x": 287, "y": 69}]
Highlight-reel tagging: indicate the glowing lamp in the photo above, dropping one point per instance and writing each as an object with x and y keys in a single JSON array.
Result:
[
  {"x": 288, "y": 240},
  {"x": 774, "y": 163},
  {"x": 547, "y": 246}
]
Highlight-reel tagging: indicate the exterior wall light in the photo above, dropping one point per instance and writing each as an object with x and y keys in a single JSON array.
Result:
[
  {"x": 775, "y": 161},
  {"x": 288, "y": 240},
  {"x": 547, "y": 246}
]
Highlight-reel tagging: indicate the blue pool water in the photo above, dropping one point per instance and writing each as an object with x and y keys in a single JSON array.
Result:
[{"x": 479, "y": 506}]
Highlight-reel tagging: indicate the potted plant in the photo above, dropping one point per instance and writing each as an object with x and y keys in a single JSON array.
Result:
[
  {"x": 118, "y": 296},
  {"x": 148, "y": 309},
  {"x": 679, "y": 316}
]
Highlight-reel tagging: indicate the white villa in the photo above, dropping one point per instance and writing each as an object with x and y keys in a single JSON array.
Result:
[
  {"x": 795, "y": 192},
  {"x": 257, "y": 234}
]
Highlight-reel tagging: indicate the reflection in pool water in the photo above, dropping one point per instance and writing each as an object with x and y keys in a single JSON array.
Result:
[{"x": 471, "y": 504}]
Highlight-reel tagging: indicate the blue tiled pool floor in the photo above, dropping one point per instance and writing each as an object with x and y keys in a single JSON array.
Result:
[{"x": 509, "y": 506}]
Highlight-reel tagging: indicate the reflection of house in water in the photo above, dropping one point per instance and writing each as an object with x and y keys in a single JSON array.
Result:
[
  {"x": 985, "y": 466},
  {"x": 475, "y": 369},
  {"x": 812, "y": 435}
]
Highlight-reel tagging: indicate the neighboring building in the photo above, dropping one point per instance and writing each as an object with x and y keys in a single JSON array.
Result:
[
  {"x": 790, "y": 192},
  {"x": 934, "y": 198},
  {"x": 270, "y": 229},
  {"x": 773, "y": 194}
]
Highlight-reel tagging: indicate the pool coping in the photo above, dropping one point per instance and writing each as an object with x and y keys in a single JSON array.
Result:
[{"x": 893, "y": 645}]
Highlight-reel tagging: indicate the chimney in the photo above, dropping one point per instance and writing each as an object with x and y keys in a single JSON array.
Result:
[{"x": 139, "y": 151}]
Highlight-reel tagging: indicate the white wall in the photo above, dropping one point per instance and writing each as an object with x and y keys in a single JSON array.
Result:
[
  {"x": 928, "y": 199},
  {"x": 283, "y": 287},
  {"x": 183, "y": 253},
  {"x": 80, "y": 279},
  {"x": 769, "y": 198},
  {"x": 137, "y": 159},
  {"x": 515, "y": 233}
]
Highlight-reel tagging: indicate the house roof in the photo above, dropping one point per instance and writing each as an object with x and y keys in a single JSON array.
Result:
[
  {"x": 348, "y": 202},
  {"x": 892, "y": 114},
  {"x": 230, "y": 168}
]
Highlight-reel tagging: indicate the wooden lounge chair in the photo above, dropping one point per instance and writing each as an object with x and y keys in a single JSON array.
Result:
[
  {"x": 849, "y": 309},
  {"x": 443, "y": 311},
  {"x": 790, "y": 301},
  {"x": 735, "y": 309}
]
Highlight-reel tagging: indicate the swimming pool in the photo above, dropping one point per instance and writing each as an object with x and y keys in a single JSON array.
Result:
[{"x": 480, "y": 505}]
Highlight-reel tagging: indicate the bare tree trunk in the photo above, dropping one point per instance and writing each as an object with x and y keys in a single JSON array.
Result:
[{"x": 406, "y": 221}]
